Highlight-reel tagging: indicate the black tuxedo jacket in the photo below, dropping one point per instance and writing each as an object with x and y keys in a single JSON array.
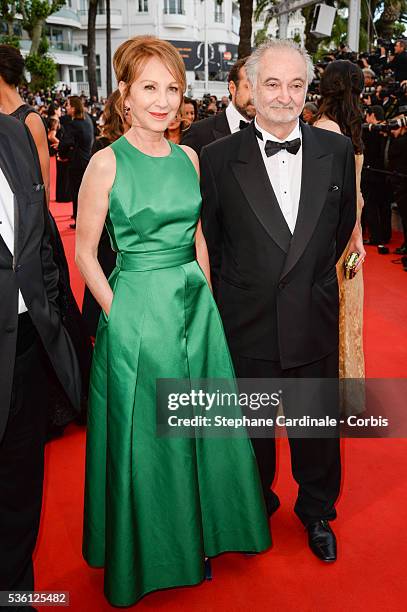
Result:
[
  {"x": 399, "y": 66},
  {"x": 277, "y": 292},
  {"x": 202, "y": 133},
  {"x": 32, "y": 269}
]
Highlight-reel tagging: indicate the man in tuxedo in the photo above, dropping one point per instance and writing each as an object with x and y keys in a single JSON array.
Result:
[
  {"x": 279, "y": 206},
  {"x": 237, "y": 115},
  {"x": 30, "y": 331}
]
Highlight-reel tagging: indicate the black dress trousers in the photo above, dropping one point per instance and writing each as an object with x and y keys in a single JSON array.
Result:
[
  {"x": 22, "y": 462},
  {"x": 315, "y": 462}
]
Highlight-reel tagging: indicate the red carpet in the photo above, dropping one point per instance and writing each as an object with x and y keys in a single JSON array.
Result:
[{"x": 370, "y": 571}]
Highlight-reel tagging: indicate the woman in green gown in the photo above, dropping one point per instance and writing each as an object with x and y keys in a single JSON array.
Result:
[{"x": 155, "y": 507}]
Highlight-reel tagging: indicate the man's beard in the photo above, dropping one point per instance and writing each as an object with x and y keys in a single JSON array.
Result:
[
  {"x": 243, "y": 110},
  {"x": 287, "y": 116}
]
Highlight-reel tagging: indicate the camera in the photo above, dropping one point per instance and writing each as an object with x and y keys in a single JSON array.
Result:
[
  {"x": 206, "y": 100},
  {"x": 387, "y": 44},
  {"x": 387, "y": 126}
]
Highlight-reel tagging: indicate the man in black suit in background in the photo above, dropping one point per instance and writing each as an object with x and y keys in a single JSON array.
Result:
[
  {"x": 398, "y": 61},
  {"x": 279, "y": 206},
  {"x": 237, "y": 115},
  {"x": 30, "y": 330}
]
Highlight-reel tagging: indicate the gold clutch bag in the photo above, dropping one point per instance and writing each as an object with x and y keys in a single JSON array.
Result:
[{"x": 350, "y": 264}]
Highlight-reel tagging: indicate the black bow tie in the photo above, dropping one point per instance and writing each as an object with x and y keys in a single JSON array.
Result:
[
  {"x": 271, "y": 147},
  {"x": 243, "y": 124},
  {"x": 292, "y": 146}
]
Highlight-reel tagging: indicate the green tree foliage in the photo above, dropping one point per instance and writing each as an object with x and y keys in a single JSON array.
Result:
[
  {"x": 13, "y": 41},
  {"x": 8, "y": 9},
  {"x": 35, "y": 13},
  {"x": 43, "y": 71}
]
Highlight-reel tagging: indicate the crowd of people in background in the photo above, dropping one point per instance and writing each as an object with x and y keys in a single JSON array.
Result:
[{"x": 383, "y": 103}]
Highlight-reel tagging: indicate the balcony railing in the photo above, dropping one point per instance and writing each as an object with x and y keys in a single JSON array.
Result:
[
  {"x": 173, "y": 10},
  {"x": 64, "y": 46},
  {"x": 219, "y": 17},
  {"x": 55, "y": 45},
  {"x": 101, "y": 11},
  {"x": 101, "y": 19}
]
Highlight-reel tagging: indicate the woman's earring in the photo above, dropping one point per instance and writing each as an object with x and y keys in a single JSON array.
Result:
[{"x": 126, "y": 110}]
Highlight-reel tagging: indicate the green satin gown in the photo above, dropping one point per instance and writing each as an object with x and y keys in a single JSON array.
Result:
[{"x": 154, "y": 507}]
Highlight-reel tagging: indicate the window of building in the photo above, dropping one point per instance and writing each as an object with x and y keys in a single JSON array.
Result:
[
  {"x": 81, "y": 74},
  {"x": 174, "y": 7},
  {"x": 59, "y": 37},
  {"x": 219, "y": 12},
  {"x": 235, "y": 18},
  {"x": 143, "y": 6}
]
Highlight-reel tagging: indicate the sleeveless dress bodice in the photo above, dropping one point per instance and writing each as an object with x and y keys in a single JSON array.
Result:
[{"x": 146, "y": 213}]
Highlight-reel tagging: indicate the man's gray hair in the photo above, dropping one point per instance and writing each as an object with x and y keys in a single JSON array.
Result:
[
  {"x": 369, "y": 72},
  {"x": 276, "y": 44},
  {"x": 311, "y": 107}
]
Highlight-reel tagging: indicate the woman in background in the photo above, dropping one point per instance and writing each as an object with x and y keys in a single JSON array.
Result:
[
  {"x": 112, "y": 127},
  {"x": 76, "y": 145},
  {"x": 342, "y": 82},
  {"x": 53, "y": 128},
  {"x": 176, "y": 128},
  {"x": 190, "y": 113}
]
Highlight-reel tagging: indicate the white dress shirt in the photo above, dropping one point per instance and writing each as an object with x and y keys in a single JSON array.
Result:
[
  {"x": 234, "y": 118},
  {"x": 284, "y": 171},
  {"x": 7, "y": 224}
]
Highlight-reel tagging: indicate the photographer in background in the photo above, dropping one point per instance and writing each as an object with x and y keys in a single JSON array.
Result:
[
  {"x": 369, "y": 96},
  {"x": 309, "y": 112},
  {"x": 375, "y": 187},
  {"x": 397, "y": 162},
  {"x": 398, "y": 61}
]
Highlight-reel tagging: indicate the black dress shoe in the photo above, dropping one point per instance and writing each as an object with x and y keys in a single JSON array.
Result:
[
  {"x": 370, "y": 242},
  {"x": 322, "y": 541},
  {"x": 72, "y": 225},
  {"x": 401, "y": 250}
]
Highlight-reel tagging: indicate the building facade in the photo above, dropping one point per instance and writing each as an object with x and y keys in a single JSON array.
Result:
[
  {"x": 182, "y": 22},
  {"x": 185, "y": 23},
  {"x": 60, "y": 30}
]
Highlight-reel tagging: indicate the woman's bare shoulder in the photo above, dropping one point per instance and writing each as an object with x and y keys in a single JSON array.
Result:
[
  {"x": 103, "y": 159},
  {"x": 102, "y": 166},
  {"x": 328, "y": 124}
]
